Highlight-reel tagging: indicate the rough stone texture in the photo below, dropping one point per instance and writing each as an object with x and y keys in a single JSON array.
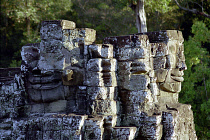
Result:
[
  {"x": 123, "y": 133},
  {"x": 70, "y": 88},
  {"x": 93, "y": 128}
]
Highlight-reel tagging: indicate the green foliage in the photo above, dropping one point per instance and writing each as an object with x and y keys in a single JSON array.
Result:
[
  {"x": 158, "y": 5},
  {"x": 15, "y": 63},
  {"x": 20, "y": 23},
  {"x": 196, "y": 87},
  {"x": 107, "y": 17}
]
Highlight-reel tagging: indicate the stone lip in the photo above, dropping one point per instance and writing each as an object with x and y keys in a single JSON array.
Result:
[
  {"x": 45, "y": 81},
  {"x": 178, "y": 79}
]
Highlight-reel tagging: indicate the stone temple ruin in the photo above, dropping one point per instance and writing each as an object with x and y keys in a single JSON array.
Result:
[{"x": 69, "y": 88}]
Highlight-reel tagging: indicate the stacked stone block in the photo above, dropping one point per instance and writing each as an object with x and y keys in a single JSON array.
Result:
[
  {"x": 177, "y": 123},
  {"x": 123, "y": 89},
  {"x": 134, "y": 66},
  {"x": 168, "y": 53},
  {"x": 101, "y": 80},
  {"x": 150, "y": 74},
  {"x": 93, "y": 128},
  {"x": 11, "y": 94},
  {"x": 55, "y": 127},
  {"x": 123, "y": 133}
]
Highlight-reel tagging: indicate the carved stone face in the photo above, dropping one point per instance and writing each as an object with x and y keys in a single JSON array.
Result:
[
  {"x": 157, "y": 57},
  {"x": 55, "y": 63},
  {"x": 43, "y": 85},
  {"x": 169, "y": 69}
]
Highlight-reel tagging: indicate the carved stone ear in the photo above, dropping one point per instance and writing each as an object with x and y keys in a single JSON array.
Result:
[
  {"x": 161, "y": 74},
  {"x": 168, "y": 64},
  {"x": 30, "y": 55},
  {"x": 67, "y": 75},
  {"x": 100, "y": 51},
  {"x": 73, "y": 77}
]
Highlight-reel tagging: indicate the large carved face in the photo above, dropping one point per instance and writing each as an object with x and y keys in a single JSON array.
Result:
[
  {"x": 43, "y": 79},
  {"x": 56, "y": 62},
  {"x": 169, "y": 68},
  {"x": 157, "y": 57}
]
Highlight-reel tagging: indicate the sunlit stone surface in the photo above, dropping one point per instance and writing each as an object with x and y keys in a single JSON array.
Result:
[{"x": 68, "y": 87}]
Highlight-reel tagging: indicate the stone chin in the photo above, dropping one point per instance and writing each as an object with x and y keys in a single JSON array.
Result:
[
  {"x": 45, "y": 88},
  {"x": 173, "y": 81},
  {"x": 171, "y": 87}
]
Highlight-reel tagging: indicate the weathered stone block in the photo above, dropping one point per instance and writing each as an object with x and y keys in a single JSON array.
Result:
[
  {"x": 128, "y": 41},
  {"x": 35, "y": 109},
  {"x": 131, "y": 109},
  {"x": 51, "y": 46},
  {"x": 55, "y": 94},
  {"x": 135, "y": 97},
  {"x": 159, "y": 63},
  {"x": 132, "y": 53},
  {"x": 6, "y": 134},
  {"x": 55, "y": 107},
  {"x": 124, "y": 41},
  {"x": 67, "y": 24},
  {"x": 105, "y": 65},
  {"x": 101, "y": 93},
  {"x": 73, "y": 122},
  {"x": 53, "y": 29},
  {"x": 51, "y": 61},
  {"x": 163, "y": 36},
  {"x": 88, "y": 35},
  {"x": 93, "y": 129},
  {"x": 30, "y": 54},
  {"x": 103, "y": 107},
  {"x": 46, "y": 95},
  {"x": 35, "y": 95},
  {"x": 119, "y": 41},
  {"x": 55, "y": 135},
  {"x": 99, "y": 79},
  {"x": 155, "y": 91},
  {"x": 173, "y": 34},
  {"x": 167, "y": 97},
  {"x": 52, "y": 124},
  {"x": 134, "y": 81},
  {"x": 138, "y": 66},
  {"x": 101, "y": 51},
  {"x": 173, "y": 46},
  {"x": 159, "y": 49},
  {"x": 151, "y": 132},
  {"x": 70, "y": 135},
  {"x": 140, "y": 119},
  {"x": 123, "y": 133},
  {"x": 110, "y": 121}
]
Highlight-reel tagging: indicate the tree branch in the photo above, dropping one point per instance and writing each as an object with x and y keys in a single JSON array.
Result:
[{"x": 194, "y": 11}]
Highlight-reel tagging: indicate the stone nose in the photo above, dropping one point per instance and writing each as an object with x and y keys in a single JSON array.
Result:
[
  {"x": 44, "y": 67},
  {"x": 36, "y": 71},
  {"x": 183, "y": 66}
]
